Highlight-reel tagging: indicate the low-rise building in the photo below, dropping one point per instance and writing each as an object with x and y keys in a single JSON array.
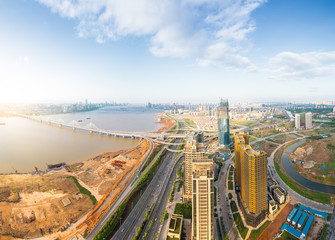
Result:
[
  {"x": 175, "y": 227},
  {"x": 279, "y": 195},
  {"x": 272, "y": 207}
]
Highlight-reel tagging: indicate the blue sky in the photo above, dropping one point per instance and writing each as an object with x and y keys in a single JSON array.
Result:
[{"x": 167, "y": 51}]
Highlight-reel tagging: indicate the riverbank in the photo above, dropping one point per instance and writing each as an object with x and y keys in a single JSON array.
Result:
[
  {"x": 318, "y": 156},
  {"x": 166, "y": 121},
  {"x": 40, "y": 205},
  {"x": 303, "y": 191}
]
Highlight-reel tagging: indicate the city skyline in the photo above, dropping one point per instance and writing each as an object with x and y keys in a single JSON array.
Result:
[{"x": 64, "y": 51}]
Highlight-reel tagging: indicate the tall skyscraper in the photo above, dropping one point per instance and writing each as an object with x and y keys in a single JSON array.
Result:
[
  {"x": 223, "y": 123},
  {"x": 253, "y": 171},
  {"x": 194, "y": 149},
  {"x": 297, "y": 121},
  {"x": 308, "y": 120},
  {"x": 250, "y": 175},
  {"x": 202, "y": 199},
  {"x": 240, "y": 139}
]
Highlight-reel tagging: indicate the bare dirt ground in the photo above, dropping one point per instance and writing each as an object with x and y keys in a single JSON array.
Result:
[
  {"x": 110, "y": 179},
  {"x": 315, "y": 153},
  {"x": 316, "y": 228},
  {"x": 275, "y": 226},
  {"x": 40, "y": 210},
  {"x": 33, "y": 205}
]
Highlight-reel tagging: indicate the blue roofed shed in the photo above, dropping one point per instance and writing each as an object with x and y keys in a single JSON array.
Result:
[
  {"x": 296, "y": 218},
  {"x": 290, "y": 216},
  {"x": 308, "y": 225},
  {"x": 291, "y": 230},
  {"x": 302, "y": 219}
]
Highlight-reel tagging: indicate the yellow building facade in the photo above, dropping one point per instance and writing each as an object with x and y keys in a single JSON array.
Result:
[
  {"x": 253, "y": 179},
  {"x": 240, "y": 139}
]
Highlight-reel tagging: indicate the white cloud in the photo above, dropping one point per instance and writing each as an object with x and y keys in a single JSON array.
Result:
[
  {"x": 304, "y": 65},
  {"x": 176, "y": 28},
  {"x": 24, "y": 59}
]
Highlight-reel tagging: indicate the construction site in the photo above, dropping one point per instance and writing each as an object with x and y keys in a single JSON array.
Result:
[{"x": 68, "y": 202}]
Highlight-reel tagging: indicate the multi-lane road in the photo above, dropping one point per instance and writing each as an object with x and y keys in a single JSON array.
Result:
[
  {"x": 153, "y": 195},
  {"x": 121, "y": 198},
  {"x": 160, "y": 205}
]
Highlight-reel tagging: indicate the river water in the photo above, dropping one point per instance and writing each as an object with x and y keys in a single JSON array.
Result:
[
  {"x": 25, "y": 144},
  {"x": 289, "y": 169}
]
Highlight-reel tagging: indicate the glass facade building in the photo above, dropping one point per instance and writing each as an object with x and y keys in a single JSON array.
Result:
[{"x": 223, "y": 123}]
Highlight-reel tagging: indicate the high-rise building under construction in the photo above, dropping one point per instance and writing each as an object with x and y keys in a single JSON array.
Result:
[
  {"x": 194, "y": 150},
  {"x": 223, "y": 123}
]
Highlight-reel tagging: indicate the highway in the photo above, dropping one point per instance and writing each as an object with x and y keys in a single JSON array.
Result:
[
  {"x": 121, "y": 197},
  {"x": 153, "y": 192},
  {"x": 160, "y": 205}
]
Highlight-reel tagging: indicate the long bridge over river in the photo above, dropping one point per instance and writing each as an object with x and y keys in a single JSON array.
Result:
[
  {"x": 93, "y": 129},
  {"x": 158, "y": 137}
]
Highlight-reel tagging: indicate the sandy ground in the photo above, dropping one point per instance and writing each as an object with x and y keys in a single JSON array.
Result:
[{"x": 37, "y": 209}]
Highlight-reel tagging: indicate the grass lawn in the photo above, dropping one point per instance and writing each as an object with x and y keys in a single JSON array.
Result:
[
  {"x": 84, "y": 190},
  {"x": 287, "y": 236},
  {"x": 257, "y": 232},
  {"x": 190, "y": 122},
  {"x": 329, "y": 217},
  {"x": 184, "y": 209},
  {"x": 251, "y": 139},
  {"x": 316, "y": 196},
  {"x": 230, "y": 185},
  {"x": 240, "y": 226},
  {"x": 233, "y": 206},
  {"x": 324, "y": 232}
]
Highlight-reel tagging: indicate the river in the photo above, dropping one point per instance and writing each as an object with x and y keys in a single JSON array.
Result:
[
  {"x": 25, "y": 144},
  {"x": 290, "y": 170}
]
